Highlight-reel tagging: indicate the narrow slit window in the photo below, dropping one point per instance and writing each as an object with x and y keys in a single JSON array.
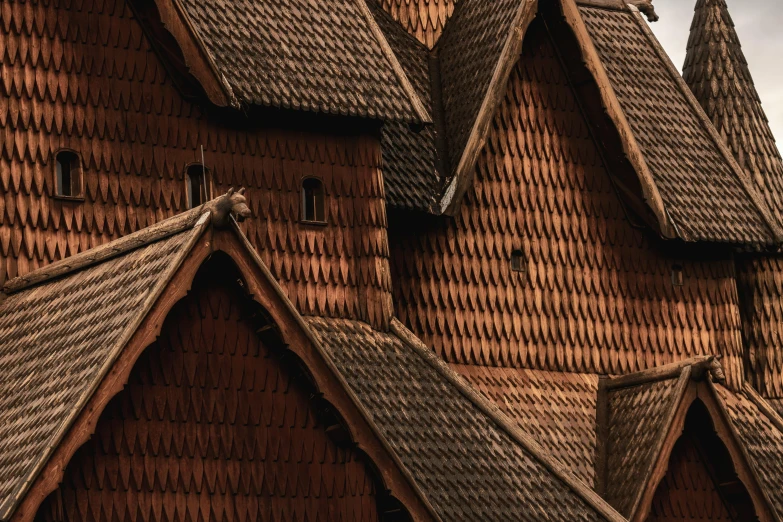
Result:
[
  {"x": 678, "y": 279},
  {"x": 196, "y": 179},
  {"x": 313, "y": 200},
  {"x": 68, "y": 173},
  {"x": 518, "y": 261}
]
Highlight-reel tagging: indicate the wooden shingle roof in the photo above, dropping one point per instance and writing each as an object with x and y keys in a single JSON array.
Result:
[
  {"x": 472, "y": 462},
  {"x": 325, "y": 57},
  {"x": 698, "y": 192},
  {"x": 58, "y": 337}
]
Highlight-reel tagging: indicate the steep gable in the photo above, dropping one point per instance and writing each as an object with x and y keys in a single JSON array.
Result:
[
  {"x": 115, "y": 323},
  {"x": 595, "y": 293},
  {"x": 717, "y": 72},
  {"x": 214, "y": 424}
]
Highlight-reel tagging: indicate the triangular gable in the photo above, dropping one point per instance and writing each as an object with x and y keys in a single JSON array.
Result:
[
  {"x": 81, "y": 353},
  {"x": 649, "y": 418},
  {"x": 58, "y": 338},
  {"x": 696, "y": 193}
]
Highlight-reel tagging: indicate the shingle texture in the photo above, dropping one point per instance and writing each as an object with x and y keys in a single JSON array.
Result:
[
  {"x": 701, "y": 192},
  {"x": 594, "y": 285},
  {"x": 636, "y": 424},
  {"x": 717, "y": 72},
  {"x": 424, "y": 19},
  {"x": 469, "y": 53},
  {"x": 314, "y": 56},
  {"x": 54, "y": 340},
  {"x": 410, "y": 155},
  {"x": 193, "y": 427},
  {"x": 467, "y": 467},
  {"x": 556, "y": 409},
  {"x": 762, "y": 441}
]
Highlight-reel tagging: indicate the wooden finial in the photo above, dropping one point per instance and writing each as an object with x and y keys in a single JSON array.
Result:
[
  {"x": 646, "y": 8},
  {"x": 232, "y": 203}
]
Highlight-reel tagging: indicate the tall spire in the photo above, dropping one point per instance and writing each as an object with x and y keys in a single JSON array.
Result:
[{"x": 718, "y": 74}]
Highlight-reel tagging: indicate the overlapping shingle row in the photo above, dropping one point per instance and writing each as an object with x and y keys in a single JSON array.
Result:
[
  {"x": 707, "y": 198},
  {"x": 57, "y": 338},
  {"x": 293, "y": 54},
  {"x": 453, "y": 448}
]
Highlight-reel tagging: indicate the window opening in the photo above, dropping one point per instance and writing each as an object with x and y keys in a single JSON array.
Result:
[
  {"x": 68, "y": 173},
  {"x": 313, "y": 200},
  {"x": 196, "y": 179}
]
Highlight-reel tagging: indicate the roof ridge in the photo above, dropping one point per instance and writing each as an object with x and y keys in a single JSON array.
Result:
[
  {"x": 161, "y": 230},
  {"x": 698, "y": 110},
  {"x": 661, "y": 373},
  {"x": 762, "y": 404},
  {"x": 418, "y": 105},
  {"x": 505, "y": 423},
  {"x": 11, "y": 502}
]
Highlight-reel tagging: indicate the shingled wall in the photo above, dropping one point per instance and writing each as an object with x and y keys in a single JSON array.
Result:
[
  {"x": 424, "y": 19},
  {"x": 82, "y": 75},
  {"x": 213, "y": 425},
  {"x": 596, "y": 296}
]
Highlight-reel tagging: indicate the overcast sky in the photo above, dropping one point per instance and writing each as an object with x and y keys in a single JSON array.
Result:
[{"x": 758, "y": 25}]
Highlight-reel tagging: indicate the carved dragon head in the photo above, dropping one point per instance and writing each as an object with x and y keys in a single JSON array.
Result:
[{"x": 232, "y": 203}]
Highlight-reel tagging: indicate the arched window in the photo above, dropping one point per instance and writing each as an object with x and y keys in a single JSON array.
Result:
[
  {"x": 313, "y": 201},
  {"x": 518, "y": 263},
  {"x": 678, "y": 279},
  {"x": 68, "y": 174},
  {"x": 197, "y": 182}
]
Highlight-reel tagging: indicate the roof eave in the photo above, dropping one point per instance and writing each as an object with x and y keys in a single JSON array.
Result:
[{"x": 776, "y": 232}]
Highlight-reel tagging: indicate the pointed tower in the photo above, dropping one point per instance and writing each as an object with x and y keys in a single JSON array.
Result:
[{"x": 717, "y": 73}]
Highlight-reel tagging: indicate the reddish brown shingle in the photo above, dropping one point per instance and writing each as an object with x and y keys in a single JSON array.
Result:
[
  {"x": 468, "y": 466},
  {"x": 425, "y": 19},
  {"x": 717, "y": 72},
  {"x": 556, "y": 409}
]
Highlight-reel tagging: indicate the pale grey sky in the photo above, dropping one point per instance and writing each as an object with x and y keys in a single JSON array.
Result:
[{"x": 758, "y": 25}]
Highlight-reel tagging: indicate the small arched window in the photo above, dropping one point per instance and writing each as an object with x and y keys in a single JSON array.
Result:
[
  {"x": 678, "y": 278},
  {"x": 313, "y": 210},
  {"x": 197, "y": 183},
  {"x": 518, "y": 263},
  {"x": 68, "y": 174}
]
